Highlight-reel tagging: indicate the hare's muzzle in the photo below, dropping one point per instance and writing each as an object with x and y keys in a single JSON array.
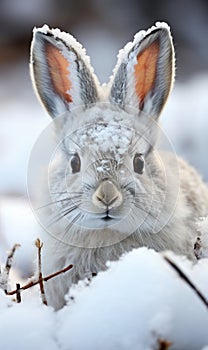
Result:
[{"x": 107, "y": 196}]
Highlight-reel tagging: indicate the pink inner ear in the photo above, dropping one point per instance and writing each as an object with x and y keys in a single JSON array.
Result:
[
  {"x": 145, "y": 71},
  {"x": 59, "y": 71}
]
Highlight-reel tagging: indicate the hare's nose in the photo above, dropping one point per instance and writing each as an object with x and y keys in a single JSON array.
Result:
[{"x": 107, "y": 195}]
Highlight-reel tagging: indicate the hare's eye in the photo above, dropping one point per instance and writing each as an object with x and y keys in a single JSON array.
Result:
[
  {"x": 138, "y": 163},
  {"x": 75, "y": 163}
]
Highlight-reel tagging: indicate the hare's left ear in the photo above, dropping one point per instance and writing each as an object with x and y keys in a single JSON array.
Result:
[
  {"x": 61, "y": 71},
  {"x": 145, "y": 70}
]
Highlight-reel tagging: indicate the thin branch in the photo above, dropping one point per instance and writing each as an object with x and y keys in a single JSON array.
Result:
[
  {"x": 187, "y": 280},
  {"x": 8, "y": 265},
  {"x": 45, "y": 279},
  {"x": 69, "y": 267},
  {"x": 39, "y": 245},
  {"x": 10, "y": 257}
]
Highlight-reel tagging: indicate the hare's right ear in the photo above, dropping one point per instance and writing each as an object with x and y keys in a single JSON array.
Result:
[
  {"x": 144, "y": 73},
  {"x": 61, "y": 71}
]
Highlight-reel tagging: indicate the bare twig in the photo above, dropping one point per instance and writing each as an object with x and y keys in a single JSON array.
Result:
[
  {"x": 39, "y": 245},
  {"x": 6, "y": 270},
  {"x": 10, "y": 257},
  {"x": 69, "y": 267},
  {"x": 187, "y": 280},
  {"x": 18, "y": 293},
  {"x": 45, "y": 279}
]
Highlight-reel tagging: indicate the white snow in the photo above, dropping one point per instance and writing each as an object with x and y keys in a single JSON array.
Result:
[
  {"x": 26, "y": 326},
  {"x": 137, "y": 301}
]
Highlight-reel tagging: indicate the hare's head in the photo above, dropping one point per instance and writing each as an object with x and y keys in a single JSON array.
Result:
[{"x": 105, "y": 175}]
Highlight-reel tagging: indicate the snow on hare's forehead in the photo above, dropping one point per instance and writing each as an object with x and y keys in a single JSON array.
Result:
[
  {"x": 106, "y": 138},
  {"x": 107, "y": 131}
]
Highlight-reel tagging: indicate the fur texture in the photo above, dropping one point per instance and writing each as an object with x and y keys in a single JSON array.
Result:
[{"x": 108, "y": 190}]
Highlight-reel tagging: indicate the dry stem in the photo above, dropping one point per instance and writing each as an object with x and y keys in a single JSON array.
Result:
[
  {"x": 8, "y": 264},
  {"x": 39, "y": 245},
  {"x": 187, "y": 280}
]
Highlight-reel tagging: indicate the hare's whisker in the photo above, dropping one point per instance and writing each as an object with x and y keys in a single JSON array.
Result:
[
  {"x": 63, "y": 213},
  {"x": 58, "y": 201},
  {"x": 72, "y": 222},
  {"x": 66, "y": 192},
  {"x": 87, "y": 186}
]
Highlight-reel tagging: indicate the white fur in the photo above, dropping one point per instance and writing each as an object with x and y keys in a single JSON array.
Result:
[{"x": 159, "y": 207}]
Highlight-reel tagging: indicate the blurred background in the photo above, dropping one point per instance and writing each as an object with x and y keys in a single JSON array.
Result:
[{"x": 103, "y": 27}]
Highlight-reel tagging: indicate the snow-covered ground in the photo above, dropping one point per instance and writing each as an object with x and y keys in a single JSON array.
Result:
[
  {"x": 137, "y": 304},
  {"x": 140, "y": 299}
]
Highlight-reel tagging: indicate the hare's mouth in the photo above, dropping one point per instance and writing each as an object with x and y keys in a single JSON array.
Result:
[{"x": 107, "y": 218}]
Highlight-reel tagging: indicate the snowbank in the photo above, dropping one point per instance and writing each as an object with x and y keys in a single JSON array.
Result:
[{"x": 138, "y": 301}]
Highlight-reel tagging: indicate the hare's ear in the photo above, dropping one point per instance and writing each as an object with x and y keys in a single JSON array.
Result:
[
  {"x": 61, "y": 71},
  {"x": 144, "y": 73}
]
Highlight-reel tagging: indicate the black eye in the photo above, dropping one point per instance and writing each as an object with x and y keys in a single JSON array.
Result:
[
  {"x": 75, "y": 163},
  {"x": 138, "y": 163}
]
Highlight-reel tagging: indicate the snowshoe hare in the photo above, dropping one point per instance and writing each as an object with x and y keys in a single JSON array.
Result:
[{"x": 108, "y": 188}]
